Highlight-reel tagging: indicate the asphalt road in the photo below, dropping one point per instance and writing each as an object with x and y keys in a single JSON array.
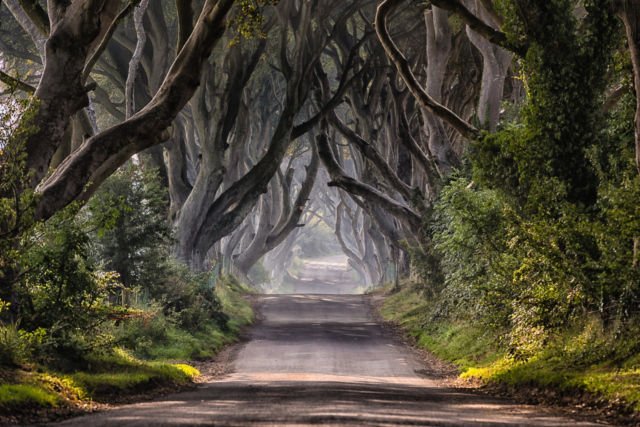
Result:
[{"x": 322, "y": 359}]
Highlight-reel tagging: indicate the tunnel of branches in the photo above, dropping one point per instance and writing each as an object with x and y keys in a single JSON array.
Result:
[{"x": 327, "y": 121}]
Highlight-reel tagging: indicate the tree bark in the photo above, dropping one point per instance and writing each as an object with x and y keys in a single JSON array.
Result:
[
  {"x": 438, "y": 53},
  {"x": 404, "y": 69},
  {"x": 99, "y": 156},
  {"x": 495, "y": 65},
  {"x": 342, "y": 180},
  {"x": 629, "y": 12},
  {"x": 134, "y": 63}
]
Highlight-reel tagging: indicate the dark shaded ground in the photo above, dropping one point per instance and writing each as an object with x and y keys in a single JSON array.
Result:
[{"x": 322, "y": 359}]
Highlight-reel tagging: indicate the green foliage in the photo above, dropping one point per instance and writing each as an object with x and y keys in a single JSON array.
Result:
[
  {"x": 132, "y": 234},
  {"x": 60, "y": 289},
  {"x": 50, "y": 292},
  {"x": 69, "y": 310},
  {"x": 468, "y": 234},
  {"x": 248, "y": 20},
  {"x": 547, "y": 229},
  {"x": 584, "y": 357},
  {"x": 534, "y": 277},
  {"x": 17, "y": 200},
  {"x": 459, "y": 341},
  {"x": 17, "y": 346},
  {"x": 540, "y": 248},
  {"x": 192, "y": 299},
  {"x": 112, "y": 373},
  {"x": 164, "y": 335},
  {"x": 565, "y": 76},
  {"x": 128, "y": 214}
]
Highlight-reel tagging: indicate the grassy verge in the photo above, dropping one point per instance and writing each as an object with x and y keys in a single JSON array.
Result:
[
  {"x": 36, "y": 392},
  {"x": 120, "y": 373},
  {"x": 35, "y": 396},
  {"x": 558, "y": 373},
  {"x": 159, "y": 338}
]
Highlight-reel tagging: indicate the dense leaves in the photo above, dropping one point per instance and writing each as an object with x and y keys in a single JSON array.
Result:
[{"x": 542, "y": 234}]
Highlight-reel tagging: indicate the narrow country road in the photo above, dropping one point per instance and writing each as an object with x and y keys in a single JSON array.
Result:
[{"x": 322, "y": 359}]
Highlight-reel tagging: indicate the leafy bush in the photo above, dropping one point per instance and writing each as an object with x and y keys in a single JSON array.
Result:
[
  {"x": 133, "y": 237},
  {"x": 17, "y": 201},
  {"x": 468, "y": 233},
  {"x": 190, "y": 298},
  {"x": 61, "y": 290},
  {"x": 197, "y": 331},
  {"x": 535, "y": 275},
  {"x": 131, "y": 231},
  {"x": 17, "y": 346}
]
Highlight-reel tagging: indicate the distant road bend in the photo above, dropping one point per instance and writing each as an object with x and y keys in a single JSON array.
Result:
[{"x": 323, "y": 359}]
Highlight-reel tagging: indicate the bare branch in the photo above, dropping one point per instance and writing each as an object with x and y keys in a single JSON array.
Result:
[
  {"x": 350, "y": 185},
  {"x": 16, "y": 83},
  {"x": 370, "y": 152},
  {"x": 37, "y": 14},
  {"x": 478, "y": 25},
  {"x": 80, "y": 174},
  {"x": 105, "y": 40},
  {"x": 464, "y": 128},
  {"x": 134, "y": 63}
]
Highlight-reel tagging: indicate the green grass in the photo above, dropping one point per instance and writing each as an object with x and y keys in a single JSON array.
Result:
[
  {"x": 118, "y": 373},
  {"x": 463, "y": 344},
  {"x": 232, "y": 295},
  {"x": 14, "y": 396},
  {"x": 158, "y": 338},
  {"x": 181, "y": 345},
  {"x": 545, "y": 371},
  {"x": 163, "y": 341},
  {"x": 115, "y": 374},
  {"x": 574, "y": 363},
  {"x": 27, "y": 390}
]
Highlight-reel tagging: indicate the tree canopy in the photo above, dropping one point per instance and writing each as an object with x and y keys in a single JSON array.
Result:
[{"x": 487, "y": 151}]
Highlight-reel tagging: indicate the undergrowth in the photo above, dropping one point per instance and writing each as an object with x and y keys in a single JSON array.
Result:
[
  {"x": 579, "y": 362},
  {"x": 143, "y": 360}
]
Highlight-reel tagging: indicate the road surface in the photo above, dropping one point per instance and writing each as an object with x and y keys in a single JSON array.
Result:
[{"x": 322, "y": 359}]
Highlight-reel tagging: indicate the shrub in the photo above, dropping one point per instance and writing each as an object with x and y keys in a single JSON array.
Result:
[
  {"x": 17, "y": 346},
  {"x": 61, "y": 291},
  {"x": 190, "y": 298}
]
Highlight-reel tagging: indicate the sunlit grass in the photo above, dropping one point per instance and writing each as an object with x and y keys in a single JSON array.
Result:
[
  {"x": 232, "y": 297},
  {"x": 118, "y": 372},
  {"x": 460, "y": 343},
  {"x": 13, "y": 396},
  {"x": 562, "y": 365},
  {"x": 122, "y": 372}
]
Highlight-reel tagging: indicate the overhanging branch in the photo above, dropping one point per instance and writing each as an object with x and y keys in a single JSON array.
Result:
[
  {"x": 479, "y": 26},
  {"x": 340, "y": 179},
  {"x": 16, "y": 83},
  {"x": 404, "y": 69}
]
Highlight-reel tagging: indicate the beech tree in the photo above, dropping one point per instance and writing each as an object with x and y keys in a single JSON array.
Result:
[
  {"x": 74, "y": 34},
  {"x": 391, "y": 97}
]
